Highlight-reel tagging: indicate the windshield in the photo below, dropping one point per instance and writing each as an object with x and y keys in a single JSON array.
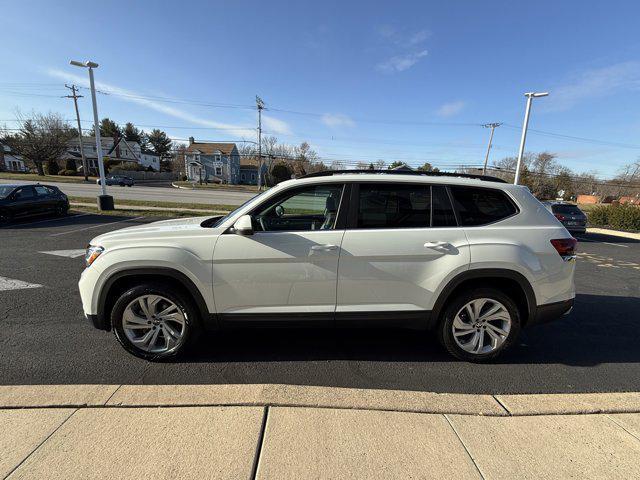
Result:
[
  {"x": 5, "y": 190},
  {"x": 222, "y": 219}
]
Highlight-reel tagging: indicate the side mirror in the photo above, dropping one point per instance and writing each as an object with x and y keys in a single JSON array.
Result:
[{"x": 244, "y": 225}]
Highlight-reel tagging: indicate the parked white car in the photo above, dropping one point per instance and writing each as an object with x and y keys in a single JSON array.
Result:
[{"x": 472, "y": 259}]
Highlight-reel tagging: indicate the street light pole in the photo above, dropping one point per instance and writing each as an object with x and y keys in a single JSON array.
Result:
[
  {"x": 259, "y": 106},
  {"x": 530, "y": 96},
  {"x": 105, "y": 202},
  {"x": 492, "y": 126}
]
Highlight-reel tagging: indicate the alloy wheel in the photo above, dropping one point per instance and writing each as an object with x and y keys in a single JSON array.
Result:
[
  {"x": 481, "y": 326},
  {"x": 154, "y": 324}
]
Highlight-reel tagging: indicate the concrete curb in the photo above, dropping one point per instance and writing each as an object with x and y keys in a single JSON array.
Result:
[
  {"x": 614, "y": 233},
  {"x": 180, "y": 187},
  {"x": 134, "y": 396},
  {"x": 153, "y": 209}
]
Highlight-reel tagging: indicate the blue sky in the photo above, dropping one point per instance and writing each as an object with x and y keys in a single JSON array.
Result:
[{"x": 406, "y": 81}]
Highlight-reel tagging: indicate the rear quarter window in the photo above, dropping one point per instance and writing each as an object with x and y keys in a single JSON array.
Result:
[{"x": 481, "y": 206}]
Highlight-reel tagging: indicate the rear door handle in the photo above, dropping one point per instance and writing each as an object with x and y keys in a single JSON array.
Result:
[
  {"x": 324, "y": 248},
  {"x": 436, "y": 244}
]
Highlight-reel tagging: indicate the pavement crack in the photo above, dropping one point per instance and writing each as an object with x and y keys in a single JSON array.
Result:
[
  {"x": 623, "y": 427},
  {"x": 260, "y": 444},
  {"x": 466, "y": 449},
  {"x": 495, "y": 397},
  {"x": 40, "y": 444}
]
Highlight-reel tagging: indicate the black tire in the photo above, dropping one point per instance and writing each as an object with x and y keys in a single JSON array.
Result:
[
  {"x": 5, "y": 217},
  {"x": 445, "y": 326},
  {"x": 61, "y": 210},
  {"x": 180, "y": 299}
]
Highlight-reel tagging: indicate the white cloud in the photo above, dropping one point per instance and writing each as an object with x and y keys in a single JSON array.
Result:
[
  {"x": 452, "y": 108},
  {"x": 400, "y": 63},
  {"x": 406, "y": 49},
  {"x": 598, "y": 82},
  {"x": 337, "y": 120},
  {"x": 274, "y": 125},
  {"x": 134, "y": 97}
]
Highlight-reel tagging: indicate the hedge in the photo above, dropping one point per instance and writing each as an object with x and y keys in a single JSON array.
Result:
[{"x": 621, "y": 217}]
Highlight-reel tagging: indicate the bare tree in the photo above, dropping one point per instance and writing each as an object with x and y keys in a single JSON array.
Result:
[{"x": 41, "y": 138}]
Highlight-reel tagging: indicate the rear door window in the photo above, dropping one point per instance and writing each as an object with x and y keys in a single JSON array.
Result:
[
  {"x": 442, "y": 210},
  {"x": 43, "y": 191},
  {"x": 394, "y": 206},
  {"x": 481, "y": 206}
]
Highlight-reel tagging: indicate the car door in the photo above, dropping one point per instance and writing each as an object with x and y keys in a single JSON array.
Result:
[
  {"x": 24, "y": 201},
  {"x": 45, "y": 199},
  {"x": 287, "y": 269},
  {"x": 401, "y": 245}
]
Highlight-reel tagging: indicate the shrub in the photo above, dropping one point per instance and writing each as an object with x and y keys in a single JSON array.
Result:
[
  {"x": 621, "y": 217},
  {"x": 68, "y": 173},
  {"x": 51, "y": 167},
  {"x": 599, "y": 215}
]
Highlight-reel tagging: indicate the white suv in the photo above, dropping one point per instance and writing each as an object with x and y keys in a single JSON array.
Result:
[{"x": 472, "y": 258}]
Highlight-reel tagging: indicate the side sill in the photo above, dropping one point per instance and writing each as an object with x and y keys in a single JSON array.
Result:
[{"x": 415, "y": 319}]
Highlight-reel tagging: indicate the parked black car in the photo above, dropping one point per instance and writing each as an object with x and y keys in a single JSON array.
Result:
[
  {"x": 121, "y": 180},
  {"x": 569, "y": 215},
  {"x": 18, "y": 201}
]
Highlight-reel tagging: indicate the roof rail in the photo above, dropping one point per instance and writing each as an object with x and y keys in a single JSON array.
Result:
[{"x": 329, "y": 173}]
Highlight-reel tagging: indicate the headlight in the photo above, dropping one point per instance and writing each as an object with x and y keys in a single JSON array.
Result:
[{"x": 92, "y": 253}]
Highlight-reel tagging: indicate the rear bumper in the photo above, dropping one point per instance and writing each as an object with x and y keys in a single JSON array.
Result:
[{"x": 551, "y": 311}]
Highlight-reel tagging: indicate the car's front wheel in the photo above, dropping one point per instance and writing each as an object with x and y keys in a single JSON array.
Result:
[
  {"x": 478, "y": 325},
  {"x": 154, "y": 321}
]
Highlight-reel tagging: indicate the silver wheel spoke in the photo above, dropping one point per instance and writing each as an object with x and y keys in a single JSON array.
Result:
[
  {"x": 142, "y": 301},
  {"x": 497, "y": 330},
  {"x": 171, "y": 309}
]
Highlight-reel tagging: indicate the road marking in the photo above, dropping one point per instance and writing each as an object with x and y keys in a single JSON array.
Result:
[
  {"x": 11, "y": 284},
  {"x": 66, "y": 253},
  {"x": 95, "y": 226},
  {"x": 582, "y": 239},
  {"x": 617, "y": 245},
  {"x": 70, "y": 217}
]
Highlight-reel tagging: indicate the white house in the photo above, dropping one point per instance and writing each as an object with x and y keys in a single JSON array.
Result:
[
  {"x": 115, "y": 149},
  {"x": 9, "y": 161}
]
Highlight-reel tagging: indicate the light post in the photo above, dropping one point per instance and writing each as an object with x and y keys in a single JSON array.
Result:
[
  {"x": 105, "y": 202},
  {"x": 530, "y": 96}
]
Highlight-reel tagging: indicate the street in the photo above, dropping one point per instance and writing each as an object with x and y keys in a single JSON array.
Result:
[
  {"x": 140, "y": 192},
  {"x": 46, "y": 340}
]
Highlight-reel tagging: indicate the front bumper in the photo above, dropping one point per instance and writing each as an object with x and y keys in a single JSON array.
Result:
[{"x": 551, "y": 311}]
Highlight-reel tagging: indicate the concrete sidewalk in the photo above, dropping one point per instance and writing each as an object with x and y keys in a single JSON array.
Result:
[{"x": 312, "y": 432}]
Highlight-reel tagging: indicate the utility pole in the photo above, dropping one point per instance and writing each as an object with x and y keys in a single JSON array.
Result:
[
  {"x": 260, "y": 107},
  {"x": 492, "y": 126},
  {"x": 75, "y": 97}
]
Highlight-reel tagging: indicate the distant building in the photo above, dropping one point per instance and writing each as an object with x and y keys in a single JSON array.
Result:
[
  {"x": 249, "y": 171},
  {"x": 114, "y": 149},
  {"x": 212, "y": 162},
  {"x": 9, "y": 161}
]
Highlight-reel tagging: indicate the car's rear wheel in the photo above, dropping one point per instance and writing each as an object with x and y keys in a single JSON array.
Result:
[
  {"x": 478, "y": 325},
  {"x": 154, "y": 322},
  {"x": 61, "y": 209},
  {"x": 5, "y": 217}
]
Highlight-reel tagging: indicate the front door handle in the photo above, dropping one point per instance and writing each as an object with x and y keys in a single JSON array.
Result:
[
  {"x": 324, "y": 248},
  {"x": 436, "y": 244}
]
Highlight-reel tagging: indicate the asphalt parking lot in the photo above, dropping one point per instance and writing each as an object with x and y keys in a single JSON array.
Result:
[{"x": 44, "y": 338}]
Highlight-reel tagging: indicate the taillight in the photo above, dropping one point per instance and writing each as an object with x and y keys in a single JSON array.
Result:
[
  {"x": 566, "y": 247},
  {"x": 559, "y": 216}
]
